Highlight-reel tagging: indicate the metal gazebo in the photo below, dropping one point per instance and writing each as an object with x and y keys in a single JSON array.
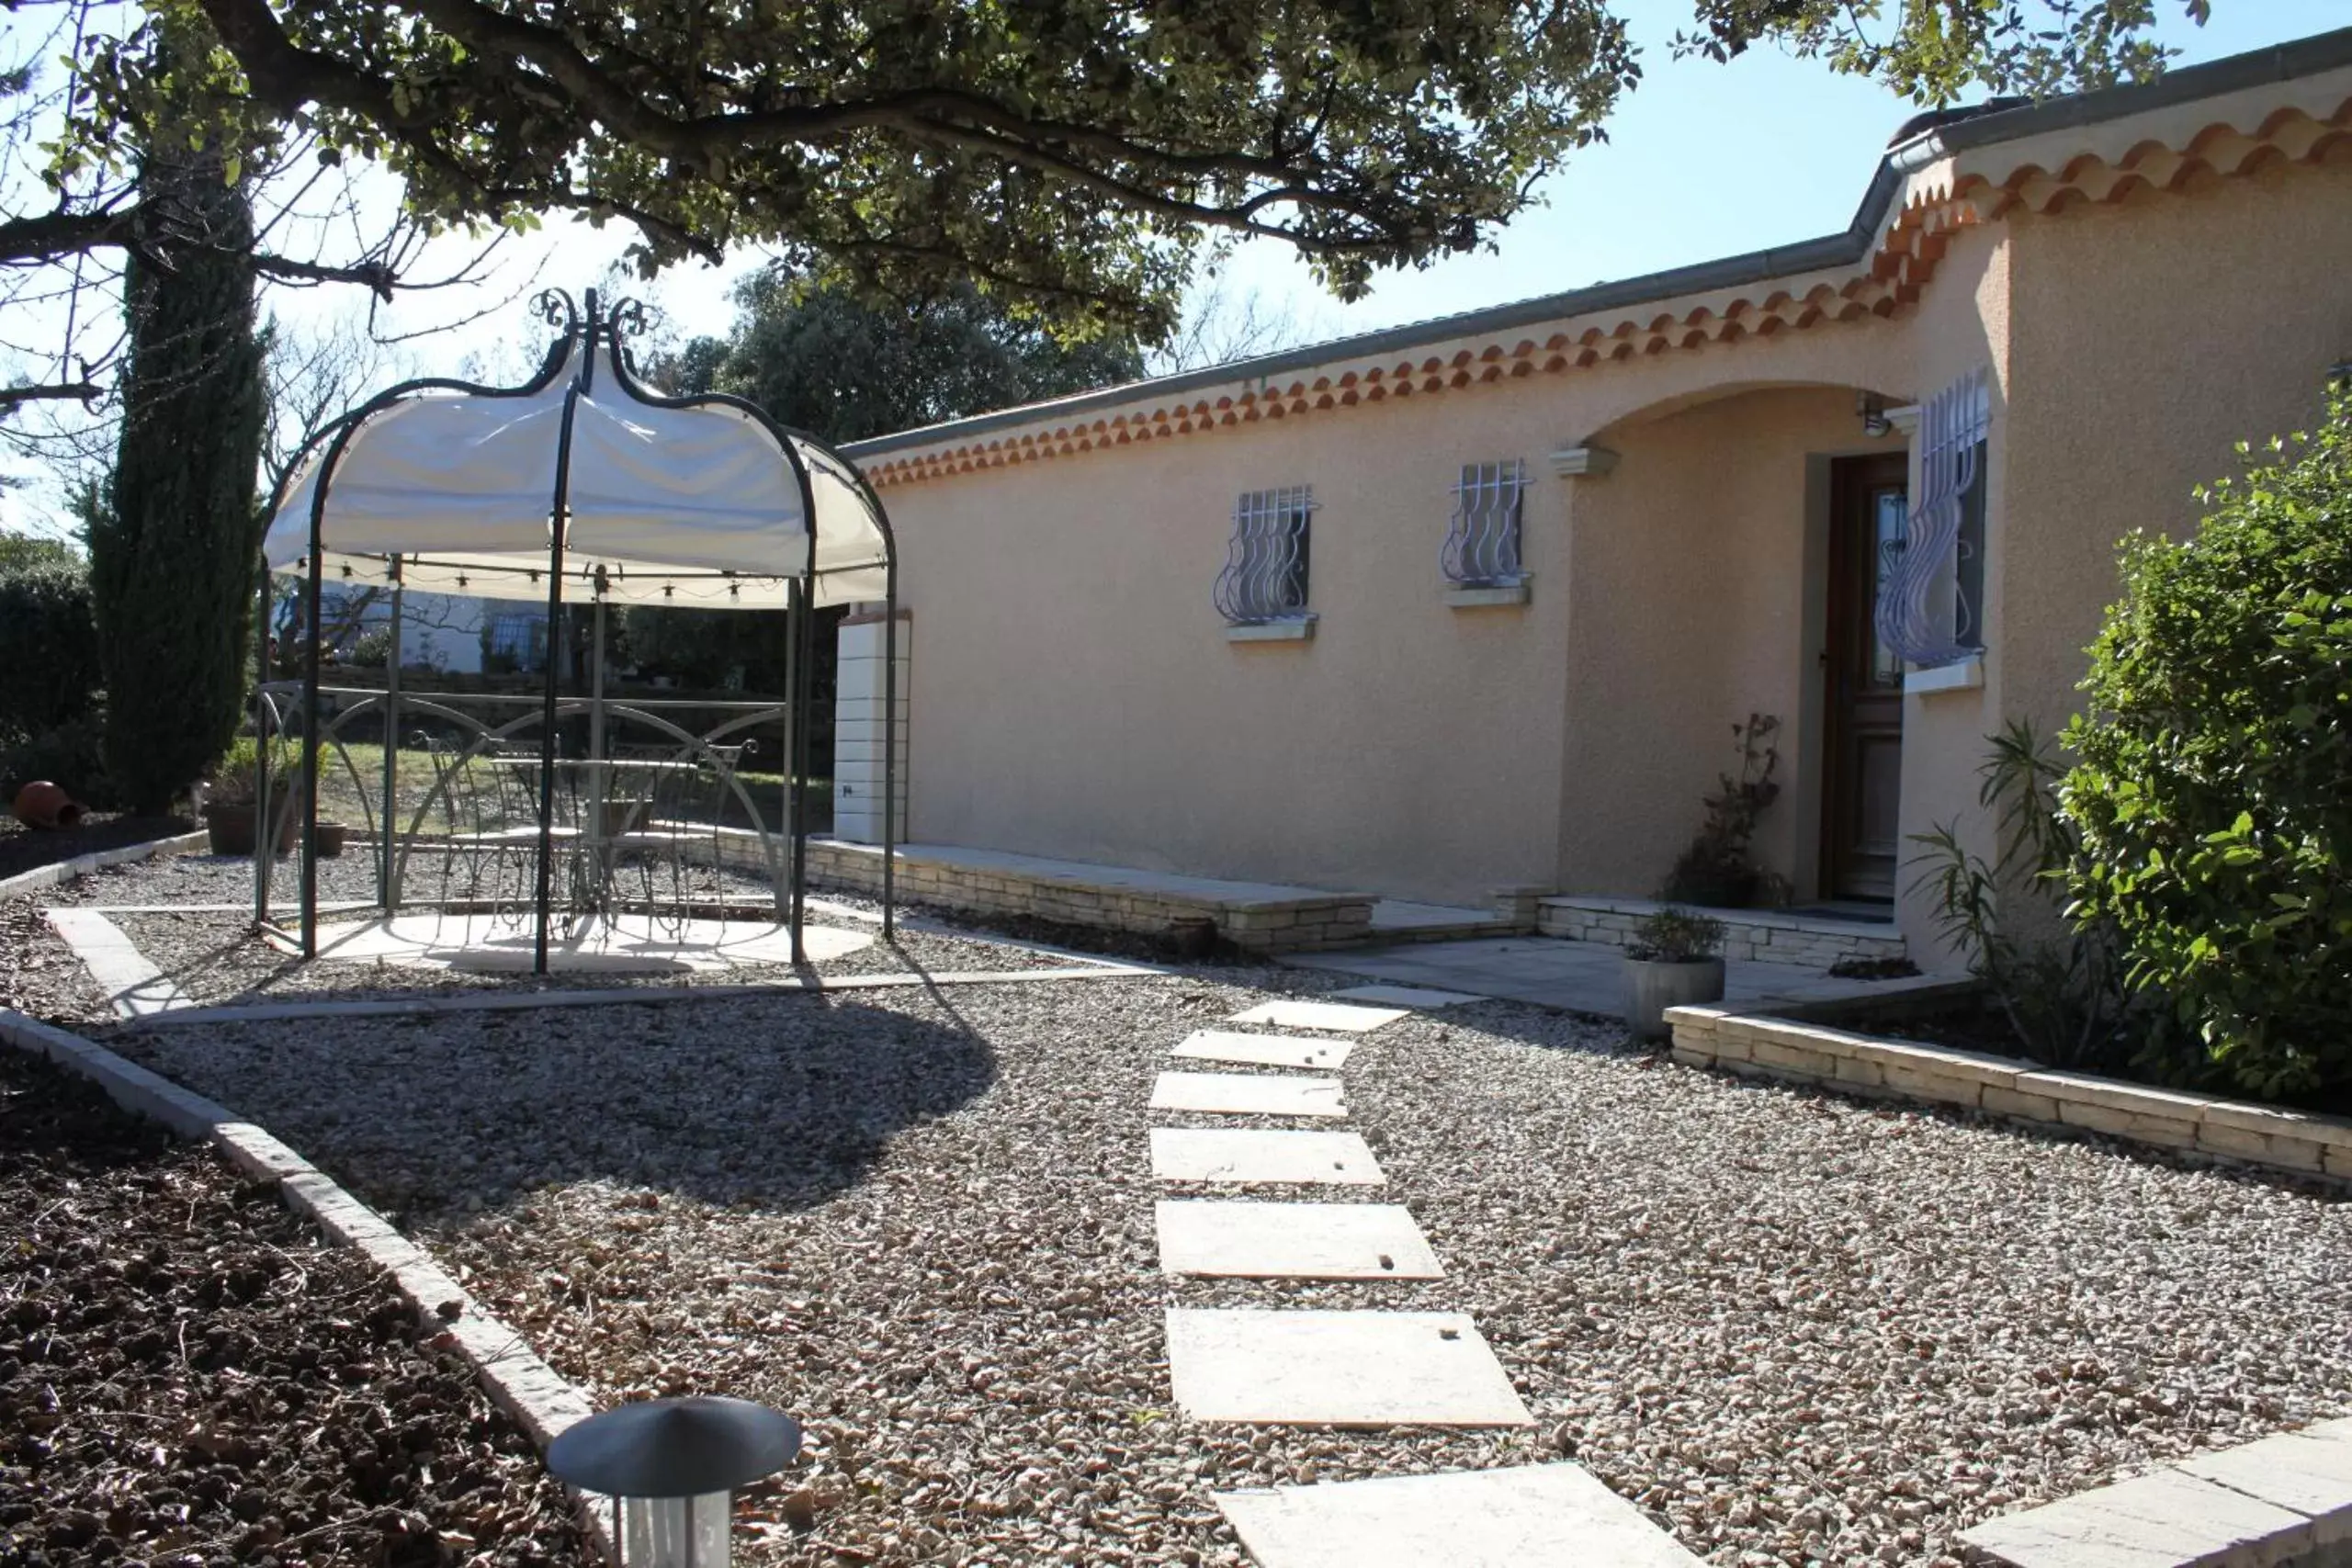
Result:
[{"x": 583, "y": 485}]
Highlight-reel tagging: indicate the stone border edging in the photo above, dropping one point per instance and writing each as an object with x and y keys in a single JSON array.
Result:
[
  {"x": 517, "y": 1381},
  {"x": 1771, "y": 1043},
  {"x": 49, "y": 876},
  {"x": 2274, "y": 1500}
]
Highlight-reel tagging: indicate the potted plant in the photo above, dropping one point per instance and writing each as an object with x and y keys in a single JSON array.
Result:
[
  {"x": 1675, "y": 960},
  {"x": 232, "y": 800}
]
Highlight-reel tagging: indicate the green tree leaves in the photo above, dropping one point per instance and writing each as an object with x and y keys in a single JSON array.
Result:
[{"x": 826, "y": 361}]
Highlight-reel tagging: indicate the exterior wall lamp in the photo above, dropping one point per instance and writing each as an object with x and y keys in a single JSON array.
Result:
[
  {"x": 671, "y": 1467},
  {"x": 1872, "y": 410}
]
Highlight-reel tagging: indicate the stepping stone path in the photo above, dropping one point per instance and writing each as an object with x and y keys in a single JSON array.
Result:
[
  {"x": 1248, "y": 1156},
  {"x": 1264, "y": 1049},
  {"x": 1543, "y": 1516},
  {"x": 1293, "y": 1241},
  {"x": 1404, "y": 996},
  {"x": 1276, "y": 1366},
  {"x": 135, "y": 986},
  {"x": 1292, "y": 1014},
  {"x": 1247, "y": 1094},
  {"x": 1338, "y": 1368}
]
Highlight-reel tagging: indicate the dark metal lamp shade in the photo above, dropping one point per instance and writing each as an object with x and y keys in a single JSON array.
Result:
[{"x": 674, "y": 1448}]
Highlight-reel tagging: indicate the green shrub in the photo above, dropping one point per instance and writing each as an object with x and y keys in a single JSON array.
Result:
[
  {"x": 2064, "y": 1000},
  {"x": 49, "y": 647},
  {"x": 1676, "y": 935},
  {"x": 373, "y": 650},
  {"x": 2210, "y": 795}
]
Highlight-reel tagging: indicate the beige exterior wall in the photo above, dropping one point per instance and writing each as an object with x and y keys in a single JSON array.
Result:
[
  {"x": 1962, "y": 326},
  {"x": 1076, "y": 695},
  {"x": 2142, "y": 355}
]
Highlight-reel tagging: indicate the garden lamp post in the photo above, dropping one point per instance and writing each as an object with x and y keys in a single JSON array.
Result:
[{"x": 671, "y": 1467}]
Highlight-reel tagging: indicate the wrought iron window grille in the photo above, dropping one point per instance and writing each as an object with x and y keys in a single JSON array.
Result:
[
  {"x": 1930, "y": 602},
  {"x": 1265, "y": 575},
  {"x": 1481, "y": 547}
]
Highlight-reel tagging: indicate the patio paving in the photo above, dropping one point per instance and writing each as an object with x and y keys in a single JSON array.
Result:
[{"x": 1581, "y": 976}]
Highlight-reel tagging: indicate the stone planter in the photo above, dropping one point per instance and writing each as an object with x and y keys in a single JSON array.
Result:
[{"x": 1652, "y": 985}]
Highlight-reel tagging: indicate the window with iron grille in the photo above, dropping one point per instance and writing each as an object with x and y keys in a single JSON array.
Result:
[
  {"x": 1481, "y": 546},
  {"x": 1265, "y": 566},
  {"x": 1930, "y": 602}
]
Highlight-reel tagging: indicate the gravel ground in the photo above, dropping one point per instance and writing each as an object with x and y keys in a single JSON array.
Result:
[
  {"x": 189, "y": 1378},
  {"x": 216, "y": 960},
  {"x": 1796, "y": 1329}
]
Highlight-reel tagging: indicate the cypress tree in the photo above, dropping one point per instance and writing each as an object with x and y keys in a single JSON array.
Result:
[{"x": 173, "y": 550}]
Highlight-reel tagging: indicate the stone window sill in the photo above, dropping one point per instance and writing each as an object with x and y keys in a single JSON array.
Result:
[
  {"x": 1469, "y": 596},
  {"x": 1290, "y": 628},
  {"x": 1962, "y": 676}
]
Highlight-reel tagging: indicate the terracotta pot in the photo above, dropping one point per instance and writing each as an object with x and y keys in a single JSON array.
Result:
[
  {"x": 41, "y": 804},
  {"x": 331, "y": 836},
  {"x": 230, "y": 826}
]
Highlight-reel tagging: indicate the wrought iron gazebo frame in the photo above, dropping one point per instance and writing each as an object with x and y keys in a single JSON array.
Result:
[{"x": 584, "y": 327}]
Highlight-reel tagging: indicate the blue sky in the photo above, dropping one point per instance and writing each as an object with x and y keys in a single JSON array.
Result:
[{"x": 1704, "y": 160}]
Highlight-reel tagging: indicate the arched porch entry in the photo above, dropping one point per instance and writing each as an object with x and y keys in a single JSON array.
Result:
[{"x": 1727, "y": 550}]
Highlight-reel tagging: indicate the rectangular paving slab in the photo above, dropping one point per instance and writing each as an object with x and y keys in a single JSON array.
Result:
[
  {"x": 1264, "y": 1049},
  {"x": 1403, "y": 996},
  {"x": 1293, "y": 1013},
  {"x": 1247, "y": 1094},
  {"x": 1254, "y": 1156},
  {"x": 2164, "y": 1520},
  {"x": 1293, "y": 1241},
  {"x": 135, "y": 986},
  {"x": 1338, "y": 1368},
  {"x": 2310, "y": 1476},
  {"x": 1543, "y": 1516}
]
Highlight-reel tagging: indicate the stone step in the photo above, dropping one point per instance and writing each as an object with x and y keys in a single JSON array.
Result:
[{"x": 1767, "y": 936}]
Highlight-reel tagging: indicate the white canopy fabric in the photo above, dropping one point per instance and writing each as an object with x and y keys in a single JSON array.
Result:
[{"x": 696, "y": 507}]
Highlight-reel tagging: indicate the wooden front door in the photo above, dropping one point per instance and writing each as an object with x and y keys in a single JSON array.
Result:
[{"x": 1864, "y": 738}]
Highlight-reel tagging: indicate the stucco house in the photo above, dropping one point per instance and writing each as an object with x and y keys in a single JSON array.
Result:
[{"x": 1476, "y": 602}]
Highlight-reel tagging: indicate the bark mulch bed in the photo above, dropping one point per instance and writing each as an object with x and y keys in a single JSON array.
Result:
[
  {"x": 24, "y": 849},
  {"x": 190, "y": 1377}
]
